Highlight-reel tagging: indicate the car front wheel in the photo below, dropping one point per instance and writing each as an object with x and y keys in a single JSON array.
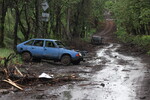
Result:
[
  {"x": 26, "y": 56},
  {"x": 66, "y": 60}
]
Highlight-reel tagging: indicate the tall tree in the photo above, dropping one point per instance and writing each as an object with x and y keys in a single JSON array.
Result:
[{"x": 4, "y": 6}]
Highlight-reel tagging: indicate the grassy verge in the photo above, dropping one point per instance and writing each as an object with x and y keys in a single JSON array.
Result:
[
  {"x": 4, "y": 53},
  {"x": 142, "y": 41}
]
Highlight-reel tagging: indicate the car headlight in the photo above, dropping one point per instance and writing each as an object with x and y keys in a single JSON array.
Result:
[{"x": 79, "y": 54}]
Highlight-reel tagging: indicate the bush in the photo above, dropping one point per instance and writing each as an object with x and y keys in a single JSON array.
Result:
[
  {"x": 15, "y": 59},
  {"x": 123, "y": 36},
  {"x": 148, "y": 52},
  {"x": 4, "y": 52},
  {"x": 141, "y": 40}
]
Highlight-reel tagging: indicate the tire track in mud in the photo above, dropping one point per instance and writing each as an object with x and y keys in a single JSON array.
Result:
[{"x": 108, "y": 28}]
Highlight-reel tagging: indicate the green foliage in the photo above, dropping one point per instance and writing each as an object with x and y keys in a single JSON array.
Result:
[
  {"x": 17, "y": 60},
  {"x": 132, "y": 15},
  {"x": 148, "y": 52},
  {"x": 133, "y": 21},
  {"x": 98, "y": 8},
  {"x": 142, "y": 40},
  {"x": 4, "y": 52},
  {"x": 81, "y": 15},
  {"x": 88, "y": 35},
  {"x": 123, "y": 36}
]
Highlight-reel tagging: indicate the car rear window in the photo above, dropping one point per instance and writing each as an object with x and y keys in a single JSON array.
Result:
[{"x": 38, "y": 43}]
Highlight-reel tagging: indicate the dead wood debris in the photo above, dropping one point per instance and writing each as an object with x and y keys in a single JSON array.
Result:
[
  {"x": 14, "y": 76},
  {"x": 13, "y": 83},
  {"x": 20, "y": 80}
]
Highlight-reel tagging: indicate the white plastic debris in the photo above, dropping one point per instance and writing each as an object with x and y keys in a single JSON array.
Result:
[{"x": 44, "y": 75}]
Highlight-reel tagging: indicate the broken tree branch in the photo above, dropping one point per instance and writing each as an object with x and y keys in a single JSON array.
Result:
[
  {"x": 18, "y": 71},
  {"x": 12, "y": 83}
]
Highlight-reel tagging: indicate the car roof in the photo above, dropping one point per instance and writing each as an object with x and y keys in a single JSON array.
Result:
[{"x": 43, "y": 39}]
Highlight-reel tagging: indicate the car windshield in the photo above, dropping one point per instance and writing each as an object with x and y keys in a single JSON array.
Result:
[{"x": 60, "y": 44}]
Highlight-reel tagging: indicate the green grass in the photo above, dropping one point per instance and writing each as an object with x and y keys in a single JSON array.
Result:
[{"x": 4, "y": 52}]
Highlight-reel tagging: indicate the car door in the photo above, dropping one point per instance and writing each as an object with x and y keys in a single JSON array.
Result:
[
  {"x": 37, "y": 48},
  {"x": 50, "y": 50}
]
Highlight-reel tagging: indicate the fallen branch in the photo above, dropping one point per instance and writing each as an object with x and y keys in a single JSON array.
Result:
[
  {"x": 6, "y": 73},
  {"x": 18, "y": 71},
  {"x": 12, "y": 83}
]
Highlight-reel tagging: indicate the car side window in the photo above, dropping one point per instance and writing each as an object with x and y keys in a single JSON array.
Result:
[
  {"x": 38, "y": 43},
  {"x": 29, "y": 42},
  {"x": 49, "y": 44}
]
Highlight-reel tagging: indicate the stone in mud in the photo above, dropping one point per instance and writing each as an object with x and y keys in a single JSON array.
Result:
[
  {"x": 142, "y": 98},
  {"x": 102, "y": 84}
]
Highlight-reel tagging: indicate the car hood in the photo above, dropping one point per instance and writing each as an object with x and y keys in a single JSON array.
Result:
[{"x": 69, "y": 50}]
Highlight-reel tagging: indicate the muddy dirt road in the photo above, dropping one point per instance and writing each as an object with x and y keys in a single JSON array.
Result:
[{"x": 110, "y": 75}]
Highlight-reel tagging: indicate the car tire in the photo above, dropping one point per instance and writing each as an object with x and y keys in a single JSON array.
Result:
[
  {"x": 26, "y": 56},
  {"x": 66, "y": 60},
  {"x": 77, "y": 62}
]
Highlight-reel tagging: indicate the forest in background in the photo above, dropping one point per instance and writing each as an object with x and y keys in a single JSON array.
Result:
[
  {"x": 21, "y": 20},
  {"x": 132, "y": 18}
]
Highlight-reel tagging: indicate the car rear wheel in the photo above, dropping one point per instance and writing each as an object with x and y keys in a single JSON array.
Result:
[
  {"x": 66, "y": 60},
  {"x": 26, "y": 56}
]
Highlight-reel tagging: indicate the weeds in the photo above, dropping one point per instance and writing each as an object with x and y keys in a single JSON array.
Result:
[
  {"x": 148, "y": 53},
  {"x": 4, "y": 52},
  {"x": 142, "y": 41},
  {"x": 8, "y": 56}
]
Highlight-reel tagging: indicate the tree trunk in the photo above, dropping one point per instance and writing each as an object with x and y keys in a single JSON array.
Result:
[
  {"x": 16, "y": 28},
  {"x": 37, "y": 18},
  {"x": 68, "y": 24},
  {"x": 58, "y": 22},
  {"x": 3, "y": 14},
  {"x": 28, "y": 24},
  {"x": 76, "y": 23}
]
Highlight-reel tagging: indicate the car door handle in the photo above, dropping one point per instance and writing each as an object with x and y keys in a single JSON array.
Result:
[
  {"x": 32, "y": 48},
  {"x": 45, "y": 49}
]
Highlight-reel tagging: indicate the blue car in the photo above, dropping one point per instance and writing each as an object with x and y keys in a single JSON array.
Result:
[{"x": 48, "y": 49}]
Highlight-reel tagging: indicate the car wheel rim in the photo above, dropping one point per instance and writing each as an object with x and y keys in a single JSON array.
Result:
[
  {"x": 65, "y": 60},
  {"x": 26, "y": 57}
]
